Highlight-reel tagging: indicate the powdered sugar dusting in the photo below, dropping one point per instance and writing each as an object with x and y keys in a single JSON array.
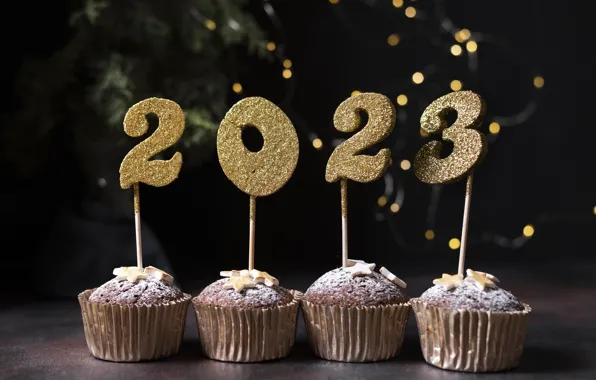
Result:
[
  {"x": 261, "y": 296},
  {"x": 337, "y": 287},
  {"x": 142, "y": 292},
  {"x": 468, "y": 297}
]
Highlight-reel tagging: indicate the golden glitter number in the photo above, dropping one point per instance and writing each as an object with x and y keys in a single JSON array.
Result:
[
  {"x": 136, "y": 166},
  {"x": 345, "y": 161},
  {"x": 469, "y": 145},
  {"x": 266, "y": 171}
]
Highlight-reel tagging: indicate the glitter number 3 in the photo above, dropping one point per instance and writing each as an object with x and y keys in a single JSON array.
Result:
[
  {"x": 469, "y": 145},
  {"x": 344, "y": 162},
  {"x": 136, "y": 166},
  {"x": 266, "y": 171}
]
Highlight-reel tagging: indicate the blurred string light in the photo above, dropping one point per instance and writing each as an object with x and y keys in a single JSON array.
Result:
[{"x": 464, "y": 45}]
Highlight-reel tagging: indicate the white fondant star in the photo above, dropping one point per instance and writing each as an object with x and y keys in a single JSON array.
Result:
[
  {"x": 159, "y": 274},
  {"x": 480, "y": 279},
  {"x": 233, "y": 273},
  {"x": 360, "y": 268},
  {"x": 132, "y": 274},
  {"x": 449, "y": 281},
  {"x": 240, "y": 282},
  {"x": 263, "y": 278},
  {"x": 393, "y": 278}
]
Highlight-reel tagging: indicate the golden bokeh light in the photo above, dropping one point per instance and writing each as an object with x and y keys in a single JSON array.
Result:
[
  {"x": 410, "y": 12},
  {"x": 355, "y": 92},
  {"x": 317, "y": 143},
  {"x": 423, "y": 133},
  {"x": 382, "y": 201},
  {"x": 271, "y": 46},
  {"x": 455, "y": 85},
  {"x": 398, "y": 3},
  {"x": 393, "y": 39},
  {"x": 454, "y": 243},
  {"x": 237, "y": 88},
  {"x": 210, "y": 24},
  {"x": 405, "y": 165},
  {"x": 417, "y": 77},
  {"x": 465, "y": 34},
  {"x": 429, "y": 234},
  {"x": 402, "y": 100},
  {"x": 334, "y": 1},
  {"x": 528, "y": 230},
  {"x": 394, "y": 208},
  {"x": 538, "y": 82},
  {"x": 472, "y": 46},
  {"x": 494, "y": 127},
  {"x": 456, "y": 50},
  {"x": 287, "y": 63},
  {"x": 287, "y": 73}
]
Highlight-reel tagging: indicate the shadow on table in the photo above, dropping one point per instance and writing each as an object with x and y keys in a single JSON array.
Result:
[{"x": 549, "y": 359}]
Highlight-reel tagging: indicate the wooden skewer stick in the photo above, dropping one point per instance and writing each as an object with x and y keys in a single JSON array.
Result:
[
  {"x": 344, "y": 223},
  {"x": 464, "y": 229},
  {"x": 251, "y": 229},
  {"x": 137, "y": 208}
]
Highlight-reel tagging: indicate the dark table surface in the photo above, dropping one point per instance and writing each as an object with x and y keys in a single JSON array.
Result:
[{"x": 45, "y": 339}]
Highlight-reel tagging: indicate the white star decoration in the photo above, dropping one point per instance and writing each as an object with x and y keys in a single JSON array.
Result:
[
  {"x": 359, "y": 268},
  {"x": 480, "y": 279},
  {"x": 449, "y": 281},
  {"x": 393, "y": 278},
  {"x": 240, "y": 279},
  {"x": 133, "y": 274}
]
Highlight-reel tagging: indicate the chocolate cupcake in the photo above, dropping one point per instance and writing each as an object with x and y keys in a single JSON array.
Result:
[
  {"x": 470, "y": 324},
  {"x": 246, "y": 317},
  {"x": 353, "y": 314},
  {"x": 137, "y": 316}
]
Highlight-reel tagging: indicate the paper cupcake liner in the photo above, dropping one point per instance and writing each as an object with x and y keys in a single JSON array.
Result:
[
  {"x": 355, "y": 334},
  {"x": 470, "y": 340},
  {"x": 131, "y": 333},
  {"x": 232, "y": 334}
]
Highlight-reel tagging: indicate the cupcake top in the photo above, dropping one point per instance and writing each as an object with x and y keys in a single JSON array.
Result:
[
  {"x": 477, "y": 291},
  {"x": 133, "y": 286},
  {"x": 245, "y": 290},
  {"x": 356, "y": 286}
]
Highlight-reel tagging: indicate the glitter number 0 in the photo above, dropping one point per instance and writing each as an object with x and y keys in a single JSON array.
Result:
[
  {"x": 136, "y": 166},
  {"x": 469, "y": 145},
  {"x": 344, "y": 162},
  {"x": 266, "y": 171}
]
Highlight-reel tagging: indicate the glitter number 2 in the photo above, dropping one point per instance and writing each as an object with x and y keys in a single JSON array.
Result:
[
  {"x": 266, "y": 171},
  {"x": 469, "y": 145},
  {"x": 136, "y": 166},
  {"x": 344, "y": 162}
]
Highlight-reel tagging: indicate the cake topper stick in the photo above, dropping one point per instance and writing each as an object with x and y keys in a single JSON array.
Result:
[
  {"x": 259, "y": 173},
  {"x": 464, "y": 228},
  {"x": 136, "y": 167},
  {"x": 251, "y": 231},
  {"x": 469, "y": 148},
  {"x": 345, "y": 162}
]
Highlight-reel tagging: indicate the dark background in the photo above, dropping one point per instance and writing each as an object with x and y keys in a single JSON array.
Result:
[{"x": 540, "y": 172}]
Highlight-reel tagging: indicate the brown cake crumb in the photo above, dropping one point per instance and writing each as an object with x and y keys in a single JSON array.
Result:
[
  {"x": 261, "y": 296},
  {"x": 338, "y": 288},
  {"x": 468, "y": 297},
  {"x": 142, "y": 292}
]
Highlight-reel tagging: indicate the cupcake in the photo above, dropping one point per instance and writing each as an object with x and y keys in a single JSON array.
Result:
[
  {"x": 470, "y": 324},
  {"x": 354, "y": 314},
  {"x": 137, "y": 316},
  {"x": 246, "y": 317}
]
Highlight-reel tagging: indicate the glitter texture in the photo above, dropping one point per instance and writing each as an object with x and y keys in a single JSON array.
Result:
[
  {"x": 266, "y": 171},
  {"x": 469, "y": 145},
  {"x": 136, "y": 166},
  {"x": 345, "y": 161}
]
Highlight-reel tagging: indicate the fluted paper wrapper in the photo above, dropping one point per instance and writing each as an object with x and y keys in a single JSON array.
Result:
[
  {"x": 471, "y": 340},
  {"x": 131, "y": 333},
  {"x": 232, "y": 334},
  {"x": 355, "y": 334}
]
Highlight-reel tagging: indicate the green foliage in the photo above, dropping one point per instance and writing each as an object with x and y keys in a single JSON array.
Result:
[{"x": 124, "y": 51}]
